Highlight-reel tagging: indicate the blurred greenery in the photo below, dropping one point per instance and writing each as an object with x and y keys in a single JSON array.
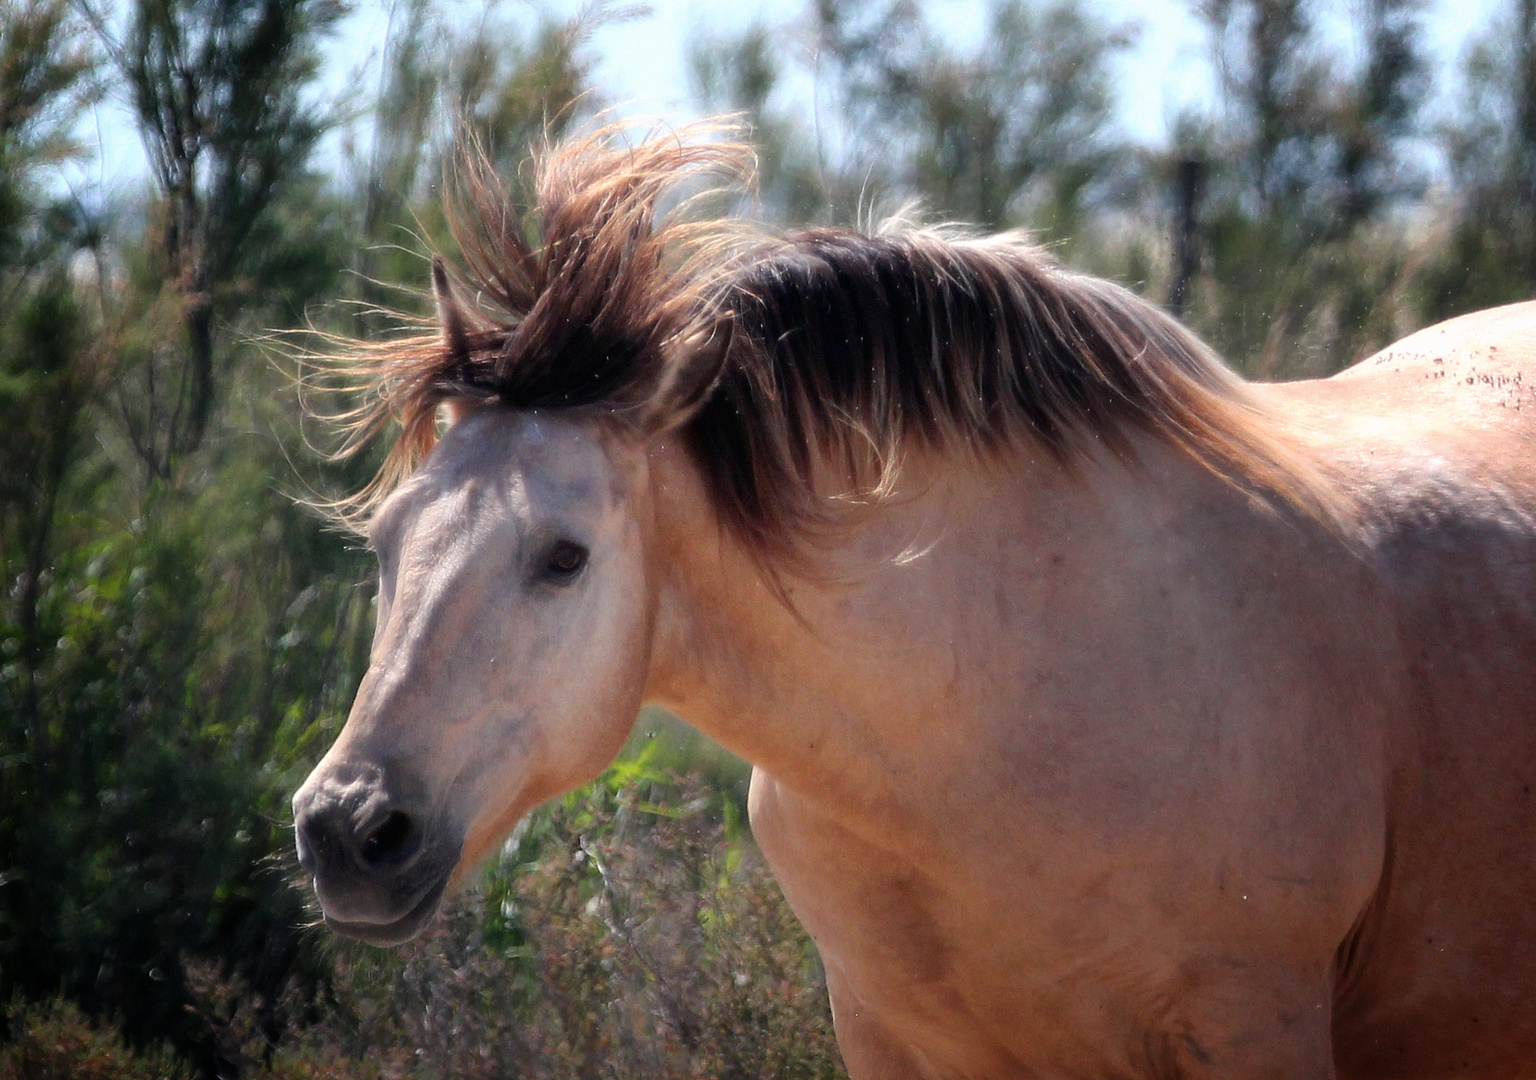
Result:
[{"x": 180, "y": 637}]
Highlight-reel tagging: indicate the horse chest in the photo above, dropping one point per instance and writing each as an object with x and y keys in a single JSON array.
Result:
[{"x": 946, "y": 976}]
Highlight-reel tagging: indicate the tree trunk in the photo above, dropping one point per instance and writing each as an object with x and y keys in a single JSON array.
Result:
[
  {"x": 199, "y": 324},
  {"x": 1188, "y": 180}
]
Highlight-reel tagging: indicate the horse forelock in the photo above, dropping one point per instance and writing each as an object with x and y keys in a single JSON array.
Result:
[
  {"x": 800, "y": 361},
  {"x": 584, "y": 300},
  {"x": 587, "y": 299}
]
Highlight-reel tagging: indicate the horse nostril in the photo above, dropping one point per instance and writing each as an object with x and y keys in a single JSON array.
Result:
[
  {"x": 312, "y": 841},
  {"x": 392, "y": 841}
]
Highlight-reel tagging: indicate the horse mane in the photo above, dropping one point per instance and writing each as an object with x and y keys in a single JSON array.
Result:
[{"x": 801, "y": 368}]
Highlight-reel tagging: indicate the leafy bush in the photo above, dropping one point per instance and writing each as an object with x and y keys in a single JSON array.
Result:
[
  {"x": 631, "y": 930},
  {"x": 55, "y": 1041}
]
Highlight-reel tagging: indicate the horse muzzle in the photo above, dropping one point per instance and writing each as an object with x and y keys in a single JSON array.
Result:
[{"x": 380, "y": 865}]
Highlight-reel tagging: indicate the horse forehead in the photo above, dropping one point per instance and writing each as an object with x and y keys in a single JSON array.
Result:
[{"x": 537, "y": 458}]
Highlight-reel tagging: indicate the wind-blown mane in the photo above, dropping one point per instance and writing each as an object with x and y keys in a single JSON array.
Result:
[{"x": 791, "y": 362}]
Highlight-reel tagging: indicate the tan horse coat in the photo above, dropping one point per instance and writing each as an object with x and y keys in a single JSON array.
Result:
[
  {"x": 1103, "y": 766},
  {"x": 1250, "y": 800}
]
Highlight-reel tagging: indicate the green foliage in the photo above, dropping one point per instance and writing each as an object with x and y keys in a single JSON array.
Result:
[
  {"x": 140, "y": 824},
  {"x": 217, "y": 88},
  {"x": 497, "y": 86},
  {"x": 1019, "y": 132},
  {"x": 741, "y": 75},
  {"x": 154, "y": 659},
  {"x": 1489, "y": 240},
  {"x": 1016, "y": 131},
  {"x": 1301, "y": 266},
  {"x": 1276, "y": 84},
  {"x": 629, "y": 930},
  {"x": 1380, "y": 113},
  {"x": 45, "y": 58},
  {"x": 55, "y": 1042}
]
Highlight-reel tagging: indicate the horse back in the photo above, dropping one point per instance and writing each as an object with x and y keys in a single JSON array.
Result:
[{"x": 1434, "y": 439}]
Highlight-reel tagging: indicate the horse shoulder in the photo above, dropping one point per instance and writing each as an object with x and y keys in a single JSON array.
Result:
[
  {"x": 1435, "y": 438},
  {"x": 1087, "y": 755},
  {"x": 870, "y": 910}
]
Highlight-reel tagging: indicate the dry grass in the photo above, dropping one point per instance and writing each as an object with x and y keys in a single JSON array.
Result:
[{"x": 632, "y": 931}]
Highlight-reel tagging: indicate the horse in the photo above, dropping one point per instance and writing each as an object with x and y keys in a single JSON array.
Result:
[{"x": 1111, "y": 716}]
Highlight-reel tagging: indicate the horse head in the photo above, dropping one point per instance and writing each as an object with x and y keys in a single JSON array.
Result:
[{"x": 510, "y": 654}]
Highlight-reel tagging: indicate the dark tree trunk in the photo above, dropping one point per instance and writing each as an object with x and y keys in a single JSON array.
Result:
[
  {"x": 199, "y": 323},
  {"x": 1524, "y": 164},
  {"x": 1188, "y": 180}
]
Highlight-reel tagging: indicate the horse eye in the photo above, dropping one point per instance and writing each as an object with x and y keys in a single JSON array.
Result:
[{"x": 565, "y": 561}]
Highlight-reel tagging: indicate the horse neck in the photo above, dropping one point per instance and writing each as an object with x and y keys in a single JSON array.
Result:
[
  {"x": 725, "y": 646},
  {"x": 941, "y": 609},
  {"x": 845, "y": 685}
]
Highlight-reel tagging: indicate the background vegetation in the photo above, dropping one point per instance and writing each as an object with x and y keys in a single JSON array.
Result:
[{"x": 179, "y": 639}]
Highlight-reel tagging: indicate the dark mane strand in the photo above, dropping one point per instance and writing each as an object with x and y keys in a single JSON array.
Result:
[
  {"x": 590, "y": 299},
  {"x": 801, "y": 368},
  {"x": 849, "y": 348}
]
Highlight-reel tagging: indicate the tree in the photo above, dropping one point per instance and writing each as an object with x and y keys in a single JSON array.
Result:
[
  {"x": 1489, "y": 250},
  {"x": 154, "y": 660},
  {"x": 47, "y": 376},
  {"x": 741, "y": 75},
  {"x": 217, "y": 90},
  {"x": 1275, "y": 84},
  {"x": 1017, "y": 131},
  {"x": 1300, "y": 165},
  {"x": 494, "y": 84},
  {"x": 1380, "y": 112}
]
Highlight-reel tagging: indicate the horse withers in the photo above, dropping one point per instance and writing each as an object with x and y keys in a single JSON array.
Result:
[{"x": 1110, "y": 716}]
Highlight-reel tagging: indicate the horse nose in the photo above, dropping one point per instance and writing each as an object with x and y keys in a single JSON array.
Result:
[
  {"x": 378, "y": 859},
  {"x": 346, "y": 828}
]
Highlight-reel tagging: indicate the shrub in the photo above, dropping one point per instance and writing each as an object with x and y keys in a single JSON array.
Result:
[
  {"x": 630, "y": 931},
  {"x": 54, "y": 1041}
]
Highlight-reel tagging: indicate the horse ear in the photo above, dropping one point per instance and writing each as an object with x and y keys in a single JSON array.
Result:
[
  {"x": 449, "y": 315},
  {"x": 694, "y": 369}
]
